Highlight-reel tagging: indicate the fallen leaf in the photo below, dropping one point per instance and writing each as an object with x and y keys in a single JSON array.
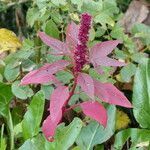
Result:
[{"x": 8, "y": 41}]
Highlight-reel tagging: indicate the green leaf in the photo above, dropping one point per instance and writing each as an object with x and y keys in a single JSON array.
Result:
[
  {"x": 105, "y": 77},
  {"x": 5, "y": 98},
  {"x": 141, "y": 94},
  {"x": 3, "y": 144},
  {"x": 94, "y": 133},
  {"x": 92, "y": 7},
  {"x": 11, "y": 71},
  {"x": 59, "y": 2},
  {"x": 127, "y": 72},
  {"x": 110, "y": 7},
  {"x": 35, "y": 143},
  {"x": 66, "y": 136},
  {"x": 51, "y": 29},
  {"x": 33, "y": 116},
  {"x": 138, "y": 57},
  {"x": 142, "y": 31},
  {"x": 33, "y": 15},
  {"x": 64, "y": 76},
  {"x": 79, "y": 3},
  {"x": 136, "y": 135},
  {"x": 104, "y": 19},
  {"x": 92, "y": 34},
  {"x": 47, "y": 89},
  {"x": 22, "y": 92}
]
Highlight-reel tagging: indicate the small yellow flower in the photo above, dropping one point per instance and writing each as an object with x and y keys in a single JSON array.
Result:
[
  {"x": 122, "y": 120},
  {"x": 8, "y": 41}
]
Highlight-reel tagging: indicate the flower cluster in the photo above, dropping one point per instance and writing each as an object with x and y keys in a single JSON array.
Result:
[{"x": 81, "y": 51}]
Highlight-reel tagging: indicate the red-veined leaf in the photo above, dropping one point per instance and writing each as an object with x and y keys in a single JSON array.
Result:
[
  {"x": 96, "y": 111},
  {"x": 57, "y": 101},
  {"x": 72, "y": 35},
  {"x": 86, "y": 83},
  {"x": 107, "y": 92},
  {"x": 58, "y": 46},
  {"x": 45, "y": 73}
]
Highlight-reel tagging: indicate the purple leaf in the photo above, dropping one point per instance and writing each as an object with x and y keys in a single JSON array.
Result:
[
  {"x": 99, "y": 52},
  {"x": 105, "y": 61},
  {"x": 49, "y": 128},
  {"x": 103, "y": 48},
  {"x": 59, "y": 47},
  {"x": 110, "y": 94},
  {"x": 57, "y": 101},
  {"x": 72, "y": 35},
  {"x": 45, "y": 73},
  {"x": 86, "y": 83},
  {"x": 96, "y": 111}
]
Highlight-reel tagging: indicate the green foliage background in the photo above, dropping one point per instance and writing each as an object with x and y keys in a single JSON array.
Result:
[{"x": 22, "y": 109}]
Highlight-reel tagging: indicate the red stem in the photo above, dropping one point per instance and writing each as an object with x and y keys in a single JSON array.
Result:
[{"x": 73, "y": 89}]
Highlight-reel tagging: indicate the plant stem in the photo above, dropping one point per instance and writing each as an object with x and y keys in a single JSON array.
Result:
[
  {"x": 73, "y": 89},
  {"x": 10, "y": 130},
  {"x": 37, "y": 43}
]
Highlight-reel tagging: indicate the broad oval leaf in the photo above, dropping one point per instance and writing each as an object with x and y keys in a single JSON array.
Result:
[
  {"x": 141, "y": 94},
  {"x": 45, "y": 73},
  {"x": 137, "y": 136},
  {"x": 66, "y": 136},
  {"x": 86, "y": 83},
  {"x": 33, "y": 116},
  {"x": 94, "y": 133},
  {"x": 108, "y": 93},
  {"x": 58, "y": 46},
  {"x": 96, "y": 111},
  {"x": 57, "y": 101}
]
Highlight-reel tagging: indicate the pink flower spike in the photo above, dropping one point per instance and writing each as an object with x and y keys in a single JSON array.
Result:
[
  {"x": 45, "y": 73},
  {"x": 86, "y": 83},
  {"x": 96, "y": 111},
  {"x": 59, "y": 47},
  {"x": 81, "y": 51},
  {"x": 108, "y": 93}
]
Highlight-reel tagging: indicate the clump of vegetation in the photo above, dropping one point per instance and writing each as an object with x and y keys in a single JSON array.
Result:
[{"x": 67, "y": 62}]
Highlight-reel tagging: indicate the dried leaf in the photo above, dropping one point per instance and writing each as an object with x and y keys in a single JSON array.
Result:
[{"x": 8, "y": 41}]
